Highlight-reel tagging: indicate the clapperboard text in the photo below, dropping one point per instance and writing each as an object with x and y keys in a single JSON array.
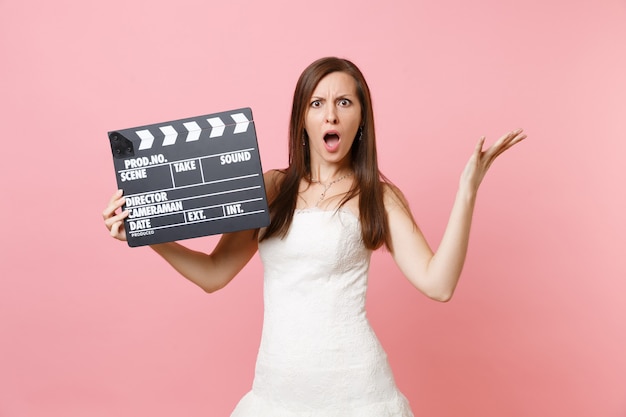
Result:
[
  {"x": 208, "y": 182},
  {"x": 136, "y": 171}
]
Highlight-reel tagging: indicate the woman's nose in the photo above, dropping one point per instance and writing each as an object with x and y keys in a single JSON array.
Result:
[{"x": 331, "y": 115}]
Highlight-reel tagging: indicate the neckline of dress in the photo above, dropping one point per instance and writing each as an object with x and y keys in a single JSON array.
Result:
[{"x": 321, "y": 210}]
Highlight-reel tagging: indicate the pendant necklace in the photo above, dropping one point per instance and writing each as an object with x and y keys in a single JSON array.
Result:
[{"x": 327, "y": 187}]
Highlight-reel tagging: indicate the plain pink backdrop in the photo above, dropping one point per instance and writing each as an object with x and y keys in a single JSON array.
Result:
[{"x": 90, "y": 327}]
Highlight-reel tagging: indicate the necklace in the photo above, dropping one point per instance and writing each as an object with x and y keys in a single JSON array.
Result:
[{"x": 327, "y": 187}]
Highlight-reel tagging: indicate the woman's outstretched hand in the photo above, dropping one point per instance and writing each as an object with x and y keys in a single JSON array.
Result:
[
  {"x": 480, "y": 161},
  {"x": 115, "y": 221}
]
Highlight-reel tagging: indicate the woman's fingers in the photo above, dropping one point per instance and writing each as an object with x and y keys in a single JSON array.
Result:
[
  {"x": 116, "y": 217},
  {"x": 115, "y": 203},
  {"x": 504, "y": 143},
  {"x": 115, "y": 228},
  {"x": 115, "y": 224},
  {"x": 510, "y": 143},
  {"x": 481, "y": 161},
  {"x": 478, "y": 150},
  {"x": 114, "y": 220}
]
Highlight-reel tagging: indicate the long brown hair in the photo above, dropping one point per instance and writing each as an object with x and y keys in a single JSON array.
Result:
[{"x": 369, "y": 181}]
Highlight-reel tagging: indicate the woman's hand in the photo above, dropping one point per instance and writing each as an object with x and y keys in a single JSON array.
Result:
[
  {"x": 480, "y": 161},
  {"x": 115, "y": 221}
]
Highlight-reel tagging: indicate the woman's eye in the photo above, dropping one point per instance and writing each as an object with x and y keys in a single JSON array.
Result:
[
  {"x": 344, "y": 102},
  {"x": 316, "y": 103}
]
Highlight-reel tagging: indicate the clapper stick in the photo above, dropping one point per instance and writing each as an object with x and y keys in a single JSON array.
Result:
[{"x": 190, "y": 177}]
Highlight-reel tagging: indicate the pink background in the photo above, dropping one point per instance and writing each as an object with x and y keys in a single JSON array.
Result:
[{"x": 537, "y": 327}]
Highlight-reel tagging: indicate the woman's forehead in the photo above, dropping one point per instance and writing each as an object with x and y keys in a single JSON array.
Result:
[{"x": 336, "y": 83}]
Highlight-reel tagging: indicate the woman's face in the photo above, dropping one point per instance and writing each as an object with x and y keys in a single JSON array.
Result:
[{"x": 333, "y": 118}]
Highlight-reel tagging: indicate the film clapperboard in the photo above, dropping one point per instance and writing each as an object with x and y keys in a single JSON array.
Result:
[{"x": 190, "y": 177}]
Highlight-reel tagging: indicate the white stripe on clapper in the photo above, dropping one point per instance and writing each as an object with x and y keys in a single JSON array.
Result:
[
  {"x": 146, "y": 139},
  {"x": 194, "y": 131},
  {"x": 170, "y": 135},
  {"x": 242, "y": 122},
  {"x": 217, "y": 125}
]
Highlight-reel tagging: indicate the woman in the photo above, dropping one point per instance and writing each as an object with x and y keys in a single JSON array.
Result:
[{"x": 329, "y": 209}]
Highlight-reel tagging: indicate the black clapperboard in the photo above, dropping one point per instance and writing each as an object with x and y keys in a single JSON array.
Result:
[{"x": 190, "y": 177}]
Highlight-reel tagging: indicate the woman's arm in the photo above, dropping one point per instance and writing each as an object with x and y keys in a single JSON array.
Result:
[
  {"x": 213, "y": 271},
  {"x": 436, "y": 274},
  {"x": 210, "y": 271}
]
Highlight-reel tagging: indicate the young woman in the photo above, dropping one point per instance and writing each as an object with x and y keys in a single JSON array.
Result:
[{"x": 330, "y": 208}]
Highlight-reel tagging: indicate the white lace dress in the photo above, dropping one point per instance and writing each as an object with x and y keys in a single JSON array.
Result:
[{"x": 318, "y": 355}]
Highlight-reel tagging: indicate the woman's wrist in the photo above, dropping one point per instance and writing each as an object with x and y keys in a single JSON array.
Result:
[{"x": 467, "y": 193}]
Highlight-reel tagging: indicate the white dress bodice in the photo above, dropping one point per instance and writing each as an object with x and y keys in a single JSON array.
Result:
[{"x": 318, "y": 355}]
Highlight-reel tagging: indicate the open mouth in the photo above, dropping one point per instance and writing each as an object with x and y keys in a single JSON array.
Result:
[{"x": 331, "y": 139}]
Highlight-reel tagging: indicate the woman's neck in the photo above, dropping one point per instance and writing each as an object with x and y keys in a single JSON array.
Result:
[{"x": 326, "y": 174}]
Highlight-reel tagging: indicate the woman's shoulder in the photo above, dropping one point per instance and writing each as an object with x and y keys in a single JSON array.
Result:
[
  {"x": 272, "y": 179},
  {"x": 273, "y": 176},
  {"x": 393, "y": 197}
]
